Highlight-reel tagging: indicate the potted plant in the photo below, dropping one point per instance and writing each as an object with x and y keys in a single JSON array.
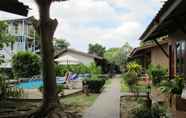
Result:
[{"x": 174, "y": 88}]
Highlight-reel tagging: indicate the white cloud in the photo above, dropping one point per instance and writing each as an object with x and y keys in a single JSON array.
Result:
[{"x": 79, "y": 20}]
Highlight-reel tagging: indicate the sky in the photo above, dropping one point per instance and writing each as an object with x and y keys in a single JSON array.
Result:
[{"x": 110, "y": 23}]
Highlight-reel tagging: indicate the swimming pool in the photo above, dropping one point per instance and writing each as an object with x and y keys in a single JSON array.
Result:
[{"x": 35, "y": 84}]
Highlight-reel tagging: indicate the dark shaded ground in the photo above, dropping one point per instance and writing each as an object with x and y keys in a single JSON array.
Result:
[
  {"x": 19, "y": 109},
  {"x": 16, "y": 109}
]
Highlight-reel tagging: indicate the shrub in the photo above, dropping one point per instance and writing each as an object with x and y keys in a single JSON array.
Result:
[
  {"x": 131, "y": 79},
  {"x": 143, "y": 112},
  {"x": 94, "y": 84},
  {"x": 94, "y": 70},
  {"x": 133, "y": 67},
  {"x": 25, "y": 64},
  {"x": 174, "y": 86},
  {"x": 7, "y": 73},
  {"x": 60, "y": 88},
  {"x": 78, "y": 69},
  {"x": 6, "y": 91},
  {"x": 157, "y": 73}
]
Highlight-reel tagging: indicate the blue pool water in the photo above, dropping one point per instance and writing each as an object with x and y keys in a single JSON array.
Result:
[{"x": 35, "y": 84}]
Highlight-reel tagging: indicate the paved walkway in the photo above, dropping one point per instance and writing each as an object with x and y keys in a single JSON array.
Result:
[{"x": 107, "y": 104}]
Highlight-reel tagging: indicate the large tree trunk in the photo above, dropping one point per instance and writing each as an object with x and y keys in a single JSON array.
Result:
[
  {"x": 46, "y": 28},
  {"x": 48, "y": 72}
]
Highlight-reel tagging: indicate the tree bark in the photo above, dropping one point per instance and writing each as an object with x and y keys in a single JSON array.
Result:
[{"x": 46, "y": 28}]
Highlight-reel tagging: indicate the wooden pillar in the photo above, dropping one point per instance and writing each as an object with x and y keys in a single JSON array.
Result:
[{"x": 172, "y": 67}]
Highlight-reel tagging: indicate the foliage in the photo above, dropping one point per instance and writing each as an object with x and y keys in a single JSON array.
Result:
[
  {"x": 61, "y": 44},
  {"x": 94, "y": 84},
  {"x": 130, "y": 78},
  {"x": 133, "y": 67},
  {"x": 110, "y": 53},
  {"x": 143, "y": 112},
  {"x": 78, "y": 69},
  {"x": 60, "y": 88},
  {"x": 5, "y": 38},
  {"x": 7, "y": 73},
  {"x": 97, "y": 49},
  {"x": 174, "y": 86},
  {"x": 94, "y": 70},
  {"x": 7, "y": 91},
  {"x": 118, "y": 56},
  {"x": 26, "y": 64},
  {"x": 156, "y": 73},
  {"x": 137, "y": 88}
]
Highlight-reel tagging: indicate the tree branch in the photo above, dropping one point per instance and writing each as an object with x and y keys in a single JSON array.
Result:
[
  {"x": 35, "y": 23},
  {"x": 53, "y": 25}
]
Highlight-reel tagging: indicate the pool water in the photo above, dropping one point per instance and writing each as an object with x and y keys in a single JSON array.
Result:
[{"x": 34, "y": 84}]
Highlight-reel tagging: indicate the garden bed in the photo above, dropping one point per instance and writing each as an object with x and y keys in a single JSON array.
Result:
[{"x": 129, "y": 104}]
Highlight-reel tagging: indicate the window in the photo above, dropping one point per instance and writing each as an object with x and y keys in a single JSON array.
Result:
[
  {"x": 12, "y": 46},
  {"x": 16, "y": 28},
  {"x": 180, "y": 53}
]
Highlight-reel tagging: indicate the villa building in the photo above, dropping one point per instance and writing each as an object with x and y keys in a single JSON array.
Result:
[
  {"x": 170, "y": 22},
  {"x": 150, "y": 54},
  {"x": 72, "y": 56},
  {"x": 25, "y": 35}
]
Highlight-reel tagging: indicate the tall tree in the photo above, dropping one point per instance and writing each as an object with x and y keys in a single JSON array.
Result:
[
  {"x": 96, "y": 49},
  {"x": 5, "y": 40},
  {"x": 110, "y": 53},
  {"x": 60, "y": 44},
  {"x": 118, "y": 56},
  {"x": 122, "y": 56},
  {"x": 46, "y": 28}
]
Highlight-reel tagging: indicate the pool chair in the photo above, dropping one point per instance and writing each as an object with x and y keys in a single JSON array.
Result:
[{"x": 73, "y": 77}]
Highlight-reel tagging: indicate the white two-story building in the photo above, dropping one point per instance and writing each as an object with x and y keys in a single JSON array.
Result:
[{"x": 25, "y": 36}]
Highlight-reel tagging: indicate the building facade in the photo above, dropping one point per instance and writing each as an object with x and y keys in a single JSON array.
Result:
[
  {"x": 72, "y": 56},
  {"x": 151, "y": 54},
  {"x": 25, "y": 39}
]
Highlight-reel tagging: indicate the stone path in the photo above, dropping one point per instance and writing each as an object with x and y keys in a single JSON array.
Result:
[{"x": 107, "y": 104}]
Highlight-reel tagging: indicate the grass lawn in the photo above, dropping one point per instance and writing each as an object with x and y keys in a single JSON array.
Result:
[
  {"x": 140, "y": 87},
  {"x": 79, "y": 102},
  {"x": 108, "y": 83}
]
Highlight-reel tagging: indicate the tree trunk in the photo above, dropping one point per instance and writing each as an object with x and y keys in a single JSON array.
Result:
[
  {"x": 51, "y": 108},
  {"x": 47, "y": 53},
  {"x": 46, "y": 28}
]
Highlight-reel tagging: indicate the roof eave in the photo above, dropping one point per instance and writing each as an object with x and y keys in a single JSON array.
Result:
[
  {"x": 162, "y": 15},
  {"x": 15, "y": 7}
]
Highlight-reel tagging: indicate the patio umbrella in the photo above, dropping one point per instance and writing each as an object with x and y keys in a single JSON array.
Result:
[{"x": 67, "y": 59}]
